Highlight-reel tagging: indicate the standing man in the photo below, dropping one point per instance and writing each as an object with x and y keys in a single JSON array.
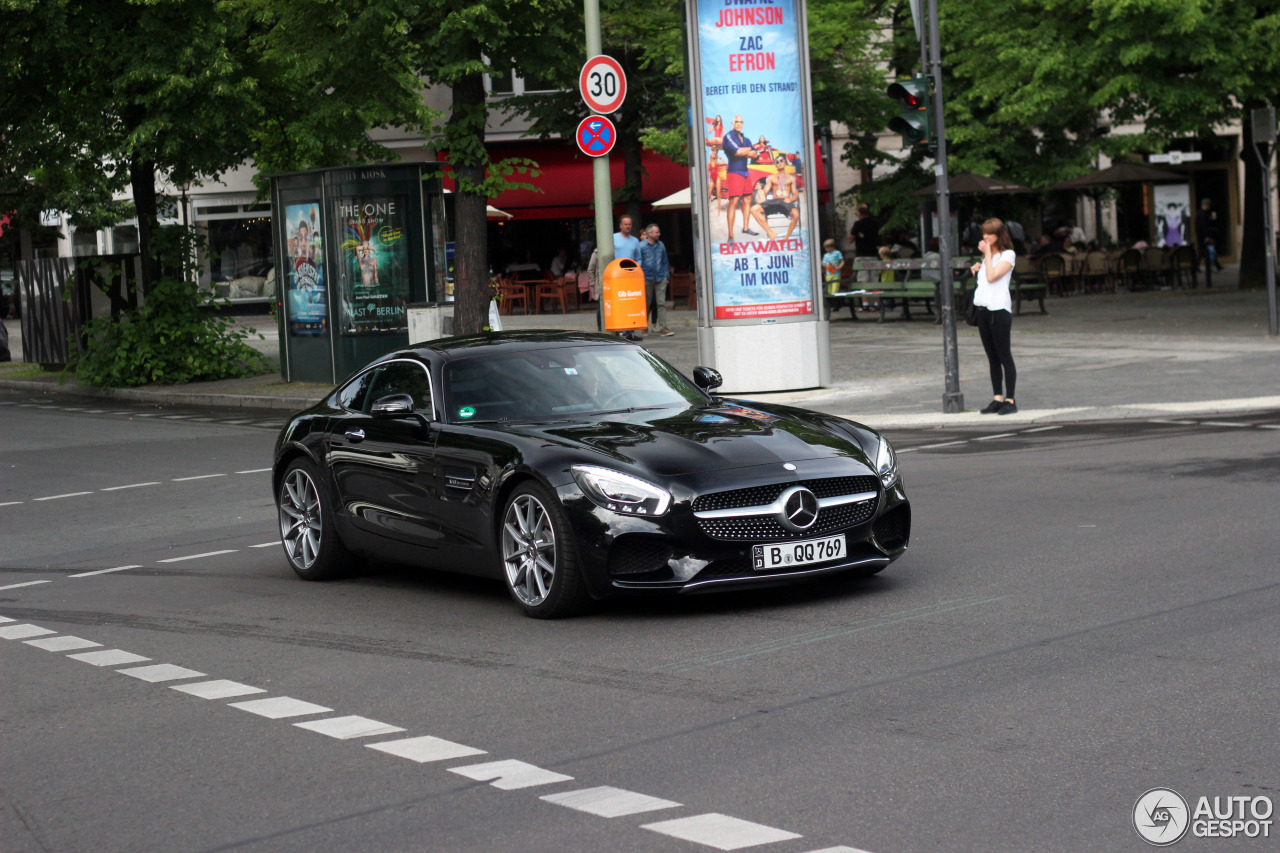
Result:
[
  {"x": 739, "y": 151},
  {"x": 866, "y": 239},
  {"x": 1207, "y": 239},
  {"x": 657, "y": 273},
  {"x": 626, "y": 246}
]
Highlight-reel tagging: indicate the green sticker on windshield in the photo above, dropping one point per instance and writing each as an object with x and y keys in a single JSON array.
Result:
[{"x": 466, "y": 412}]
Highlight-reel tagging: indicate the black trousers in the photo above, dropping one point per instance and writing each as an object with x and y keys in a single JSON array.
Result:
[{"x": 995, "y": 328}]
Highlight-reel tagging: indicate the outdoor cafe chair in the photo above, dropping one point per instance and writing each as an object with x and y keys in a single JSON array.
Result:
[
  {"x": 1129, "y": 269},
  {"x": 1053, "y": 269},
  {"x": 1096, "y": 273},
  {"x": 553, "y": 290},
  {"x": 1183, "y": 262},
  {"x": 513, "y": 292},
  {"x": 1156, "y": 263}
]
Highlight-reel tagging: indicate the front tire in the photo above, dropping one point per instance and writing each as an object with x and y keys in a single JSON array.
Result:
[
  {"x": 307, "y": 530},
  {"x": 539, "y": 560}
]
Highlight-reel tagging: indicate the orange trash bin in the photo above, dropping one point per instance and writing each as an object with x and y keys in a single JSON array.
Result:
[{"x": 625, "y": 306}]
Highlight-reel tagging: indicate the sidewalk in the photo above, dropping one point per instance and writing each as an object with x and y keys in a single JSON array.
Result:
[{"x": 1149, "y": 354}]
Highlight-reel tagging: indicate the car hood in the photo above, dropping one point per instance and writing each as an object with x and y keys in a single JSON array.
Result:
[{"x": 674, "y": 442}]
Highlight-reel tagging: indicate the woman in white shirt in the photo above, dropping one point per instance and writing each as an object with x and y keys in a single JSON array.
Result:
[{"x": 995, "y": 313}]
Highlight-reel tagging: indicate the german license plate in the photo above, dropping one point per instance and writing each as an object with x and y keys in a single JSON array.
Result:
[{"x": 787, "y": 554}]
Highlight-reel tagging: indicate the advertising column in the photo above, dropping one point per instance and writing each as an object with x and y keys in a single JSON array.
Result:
[{"x": 758, "y": 260}]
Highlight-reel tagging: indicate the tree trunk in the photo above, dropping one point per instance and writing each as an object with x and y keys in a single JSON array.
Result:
[
  {"x": 1253, "y": 242},
  {"x": 471, "y": 255},
  {"x": 633, "y": 175},
  {"x": 142, "y": 178}
]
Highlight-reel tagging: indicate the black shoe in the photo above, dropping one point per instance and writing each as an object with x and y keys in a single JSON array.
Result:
[
  {"x": 1008, "y": 407},
  {"x": 991, "y": 408}
]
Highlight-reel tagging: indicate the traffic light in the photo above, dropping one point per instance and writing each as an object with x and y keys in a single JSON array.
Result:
[{"x": 915, "y": 114}]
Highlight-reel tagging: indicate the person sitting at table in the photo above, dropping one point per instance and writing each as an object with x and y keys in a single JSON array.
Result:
[
  {"x": 934, "y": 274},
  {"x": 1058, "y": 245},
  {"x": 559, "y": 263}
]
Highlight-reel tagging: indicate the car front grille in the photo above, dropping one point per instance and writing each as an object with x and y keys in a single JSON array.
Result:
[{"x": 767, "y": 528}]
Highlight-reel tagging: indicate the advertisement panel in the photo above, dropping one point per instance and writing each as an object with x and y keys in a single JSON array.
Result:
[
  {"x": 373, "y": 268},
  {"x": 755, "y": 154},
  {"x": 308, "y": 308}
]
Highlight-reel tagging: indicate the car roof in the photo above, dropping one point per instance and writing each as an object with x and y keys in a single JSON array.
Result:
[{"x": 494, "y": 343}]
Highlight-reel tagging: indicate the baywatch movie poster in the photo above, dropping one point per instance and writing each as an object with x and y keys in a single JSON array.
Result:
[
  {"x": 374, "y": 266},
  {"x": 755, "y": 156},
  {"x": 308, "y": 308}
]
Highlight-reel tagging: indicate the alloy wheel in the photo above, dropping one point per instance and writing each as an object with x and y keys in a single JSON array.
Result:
[
  {"x": 300, "y": 520},
  {"x": 529, "y": 549}
]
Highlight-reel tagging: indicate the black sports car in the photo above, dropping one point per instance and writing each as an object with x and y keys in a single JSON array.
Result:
[{"x": 576, "y": 466}]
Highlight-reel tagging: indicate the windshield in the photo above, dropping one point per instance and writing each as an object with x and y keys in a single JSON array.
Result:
[{"x": 568, "y": 382}]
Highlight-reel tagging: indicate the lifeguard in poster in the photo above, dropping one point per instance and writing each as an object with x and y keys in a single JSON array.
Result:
[{"x": 758, "y": 223}]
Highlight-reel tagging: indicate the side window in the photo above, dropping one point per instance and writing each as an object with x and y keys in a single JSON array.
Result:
[
  {"x": 352, "y": 395},
  {"x": 401, "y": 377}
]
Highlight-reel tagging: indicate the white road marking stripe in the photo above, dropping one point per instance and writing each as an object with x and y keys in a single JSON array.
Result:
[
  {"x": 218, "y": 689},
  {"x": 4, "y": 619},
  {"x": 265, "y": 545},
  {"x": 1260, "y": 426},
  {"x": 70, "y": 409},
  {"x": 720, "y": 831},
  {"x": 130, "y": 486},
  {"x": 608, "y": 802},
  {"x": 200, "y": 477},
  {"x": 254, "y": 471},
  {"x": 999, "y": 435},
  {"x": 21, "y": 632},
  {"x": 90, "y": 411},
  {"x": 160, "y": 672},
  {"x": 197, "y": 556},
  {"x": 240, "y": 421},
  {"x": 279, "y": 707},
  {"x": 147, "y": 414},
  {"x": 1170, "y": 421},
  {"x": 425, "y": 749},
  {"x": 110, "y": 657},
  {"x": 944, "y": 444},
  {"x": 11, "y": 503},
  {"x": 345, "y": 728},
  {"x": 1223, "y": 424},
  {"x": 905, "y": 449},
  {"x": 1037, "y": 429},
  {"x": 103, "y": 571},
  {"x": 176, "y": 417},
  {"x": 510, "y": 774},
  {"x": 28, "y": 583},
  {"x": 67, "y": 495},
  {"x": 62, "y": 644}
]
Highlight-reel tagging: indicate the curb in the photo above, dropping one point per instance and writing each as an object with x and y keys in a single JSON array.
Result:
[{"x": 147, "y": 395}]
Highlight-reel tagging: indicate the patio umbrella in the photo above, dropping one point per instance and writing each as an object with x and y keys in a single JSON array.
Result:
[
  {"x": 491, "y": 212},
  {"x": 1120, "y": 173},
  {"x": 971, "y": 184},
  {"x": 678, "y": 200}
]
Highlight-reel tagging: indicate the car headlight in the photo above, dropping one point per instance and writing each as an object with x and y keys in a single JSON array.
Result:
[
  {"x": 620, "y": 492},
  {"x": 886, "y": 463}
]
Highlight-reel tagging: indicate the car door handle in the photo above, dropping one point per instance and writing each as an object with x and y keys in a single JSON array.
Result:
[{"x": 355, "y": 434}]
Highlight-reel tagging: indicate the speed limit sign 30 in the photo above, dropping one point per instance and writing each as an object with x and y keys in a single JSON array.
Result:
[{"x": 602, "y": 84}]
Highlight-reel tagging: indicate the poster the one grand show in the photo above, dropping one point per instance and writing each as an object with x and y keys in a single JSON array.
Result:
[
  {"x": 373, "y": 270},
  {"x": 755, "y": 158}
]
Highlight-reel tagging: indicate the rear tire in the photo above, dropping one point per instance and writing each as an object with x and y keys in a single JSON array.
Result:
[
  {"x": 539, "y": 558},
  {"x": 307, "y": 532}
]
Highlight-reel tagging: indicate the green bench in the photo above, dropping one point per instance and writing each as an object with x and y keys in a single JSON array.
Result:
[{"x": 1028, "y": 290}]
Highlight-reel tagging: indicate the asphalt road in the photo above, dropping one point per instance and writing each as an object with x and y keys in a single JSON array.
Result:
[{"x": 1086, "y": 612}]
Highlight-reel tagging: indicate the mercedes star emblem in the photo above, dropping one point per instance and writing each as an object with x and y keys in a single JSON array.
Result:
[{"x": 799, "y": 509}]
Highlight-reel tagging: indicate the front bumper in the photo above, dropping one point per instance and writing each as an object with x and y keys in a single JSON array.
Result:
[{"x": 674, "y": 554}]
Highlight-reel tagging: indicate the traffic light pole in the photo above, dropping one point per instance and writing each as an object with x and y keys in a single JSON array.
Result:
[{"x": 952, "y": 398}]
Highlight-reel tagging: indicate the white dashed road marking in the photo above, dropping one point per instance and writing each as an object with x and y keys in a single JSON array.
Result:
[
  {"x": 426, "y": 749},
  {"x": 160, "y": 672},
  {"x": 11, "y": 503},
  {"x": 110, "y": 657},
  {"x": 510, "y": 775},
  {"x": 62, "y": 644},
  {"x": 279, "y": 707},
  {"x": 609, "y": 802},
  {"x": 197, "y": 477},
  {"x": 131, "y": 486},
  {"x": 28, "y": 583},
  {"x": 218, "y": 689},
  {"x": 1037, "y": 429},
  {"x": 944, "y": 444},
  {"x": 997, "y": 435},
  {"x": 59, "y": 497},
  {"x": 103, "y": 571},
  {"x": 721, "y": 831},
  {"x": 197, "y": 556},
  {"x": 265, "y": 545},
  {"x": 1223, "y": 424},
  {"x": 1268, "y": 426},
  {"x": 345, "y": 728},
  {"x": 21, "y": 632},
  {"x": 254, "y": 471}
]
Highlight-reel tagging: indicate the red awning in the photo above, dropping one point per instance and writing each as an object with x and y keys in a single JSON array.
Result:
[{"x": 565, "y": 178}]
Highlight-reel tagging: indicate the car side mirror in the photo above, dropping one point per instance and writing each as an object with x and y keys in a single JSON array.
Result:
[
  {"x": 392, "y": 406},
  {"x": 707, "y": 378}
]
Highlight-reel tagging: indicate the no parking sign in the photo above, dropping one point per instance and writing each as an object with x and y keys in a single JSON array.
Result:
[{"x": 596, "y": 136}]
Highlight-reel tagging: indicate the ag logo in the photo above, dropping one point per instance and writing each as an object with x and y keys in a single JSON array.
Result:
[{"x": 1161, "y": 817}]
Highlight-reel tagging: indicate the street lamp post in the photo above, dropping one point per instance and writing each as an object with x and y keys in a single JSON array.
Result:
[{"x": 599, "y": 165}]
